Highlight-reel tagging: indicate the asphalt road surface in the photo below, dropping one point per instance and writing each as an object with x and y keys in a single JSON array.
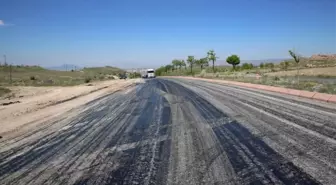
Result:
[{"x": 166, "y": 131}]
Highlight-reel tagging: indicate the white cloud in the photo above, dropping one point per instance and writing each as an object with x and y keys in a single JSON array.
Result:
[{"x": 2, "y": 23}]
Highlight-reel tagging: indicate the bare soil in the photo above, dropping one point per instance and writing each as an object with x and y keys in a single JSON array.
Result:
[{"x": 33, "y": 104}]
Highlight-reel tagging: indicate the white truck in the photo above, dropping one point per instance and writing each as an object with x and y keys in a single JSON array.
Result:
[{"x": 150, "y": 73}]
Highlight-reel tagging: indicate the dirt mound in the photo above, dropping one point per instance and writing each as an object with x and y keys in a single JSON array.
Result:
[{"x": 323, "y": 57}]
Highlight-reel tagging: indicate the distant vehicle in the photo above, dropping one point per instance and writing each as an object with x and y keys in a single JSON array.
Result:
[{"x": 150, "y": 73}]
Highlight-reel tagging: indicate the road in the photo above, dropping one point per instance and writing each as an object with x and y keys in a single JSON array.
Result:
[{"x": 174, "y": 131}]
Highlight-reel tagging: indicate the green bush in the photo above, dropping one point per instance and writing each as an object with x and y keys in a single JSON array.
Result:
[
  {"x": 32, "y": 78},
  {"x": 87, "y": 79},
  {"x": 276, "y": 78}
]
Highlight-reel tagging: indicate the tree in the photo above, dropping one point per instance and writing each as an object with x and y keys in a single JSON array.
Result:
[
  {"x": 183, "y": 64},
  {"x": 203, "y": 62},
  {"x": 296, "y": 58},
  {"x": 175, "y": 63},
  {"x": 261, "y": 65},
  {"x": 233, "y": 60},
  {"x": 160, "y": 70},
  {"x": 247, "y": 66},
  {"x": 212, "y": 57},
  {"x": 168, "y": 67},
  {"x": 191, "y": 61},
  {"x": 197, "y": 62},
  {"x": 180, "y": 63}
]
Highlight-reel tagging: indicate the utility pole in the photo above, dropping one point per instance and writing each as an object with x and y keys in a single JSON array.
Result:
[
  {"x": 10, "y": 69},
  {"x": 10, "y": 74},
  {"x": 5, "y": 60}
]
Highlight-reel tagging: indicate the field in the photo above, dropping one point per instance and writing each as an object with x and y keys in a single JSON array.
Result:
[
  {"x": 326, "y": 71},
  {"x": 38, "y": 76}
]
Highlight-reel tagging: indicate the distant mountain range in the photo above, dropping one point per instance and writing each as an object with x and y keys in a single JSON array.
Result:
[{"x": 65, "y": 67}]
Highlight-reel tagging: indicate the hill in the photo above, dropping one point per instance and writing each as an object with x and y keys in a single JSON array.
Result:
[{"x": 323, "y": 57}]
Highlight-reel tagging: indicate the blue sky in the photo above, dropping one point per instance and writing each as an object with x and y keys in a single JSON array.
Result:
[{"x": 150, "y": 33}]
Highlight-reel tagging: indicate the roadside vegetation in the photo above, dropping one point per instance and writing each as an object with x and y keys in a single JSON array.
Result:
[
  {"x": 318, "y": 75},
  {"x": 37, "y": 76}
]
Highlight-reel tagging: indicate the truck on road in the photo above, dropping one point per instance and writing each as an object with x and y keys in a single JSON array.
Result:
[{"x": 150, "y": 73}]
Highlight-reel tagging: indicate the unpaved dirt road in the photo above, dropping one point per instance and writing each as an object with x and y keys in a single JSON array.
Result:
[{"x": 167, "y": 131}]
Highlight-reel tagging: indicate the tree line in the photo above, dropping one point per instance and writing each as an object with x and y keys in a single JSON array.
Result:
[
  {"x": 211, "y": 57},
  {"x": 191, "y": 61}
]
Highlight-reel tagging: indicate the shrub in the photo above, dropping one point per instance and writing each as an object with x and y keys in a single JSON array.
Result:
[
  {"x": 328, "y": 88},
  {"x": 32, "y": 78},
  {"x": 87, "y": 79},
  {"x": 101, "y": 77},
  {"x": 203, "y": 73},
  {"x": 276, "y": 78}
]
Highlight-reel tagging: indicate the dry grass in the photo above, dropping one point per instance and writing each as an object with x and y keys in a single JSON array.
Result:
[
  {"x": 327, "y": 71},
  {"x": 37, "y": 76},
  {"x": 4, "y": 91}
]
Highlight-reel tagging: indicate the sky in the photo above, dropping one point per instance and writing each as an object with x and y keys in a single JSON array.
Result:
[{"x": 151, "y": 33}]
